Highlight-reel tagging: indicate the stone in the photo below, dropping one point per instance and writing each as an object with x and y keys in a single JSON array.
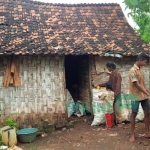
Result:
[
  {"x": 69, "y": 125},
  {"x": 39, "y": 134},
  {"x": 63, "y": 129},
  {"x": 144, "y": 143},
  {"x": 49, "y": 128},
  {"x": 40, "y": 128},
  {"x": 59, "y": 126}
]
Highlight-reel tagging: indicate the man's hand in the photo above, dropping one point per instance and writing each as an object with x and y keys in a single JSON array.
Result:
[
  {"x": 148, "y": 94},
  {"x": 148, "y": 90},
  {"x": 143, "y": 90}
]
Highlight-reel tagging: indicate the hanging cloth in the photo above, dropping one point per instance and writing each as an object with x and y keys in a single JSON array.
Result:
[{"x": 11, "y": 76}]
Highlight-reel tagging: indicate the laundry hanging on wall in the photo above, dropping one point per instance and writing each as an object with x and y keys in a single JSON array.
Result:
[{"x": 11, "y": 76}]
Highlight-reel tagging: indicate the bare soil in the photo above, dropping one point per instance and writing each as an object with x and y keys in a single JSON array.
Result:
[{"x": 85, "y": 137}]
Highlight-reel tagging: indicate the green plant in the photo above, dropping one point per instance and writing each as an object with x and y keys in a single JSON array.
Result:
[
  {"x": 139, "y": 11},
  {"x": 10, "y": 122}
]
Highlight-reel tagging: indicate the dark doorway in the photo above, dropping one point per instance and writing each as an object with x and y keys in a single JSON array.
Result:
[
  {"x": 77, "y": 78},
  {"x": 72, "y": 75}
]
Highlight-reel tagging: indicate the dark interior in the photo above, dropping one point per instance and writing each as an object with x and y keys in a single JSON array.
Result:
[{"x": 72, "y": 67}]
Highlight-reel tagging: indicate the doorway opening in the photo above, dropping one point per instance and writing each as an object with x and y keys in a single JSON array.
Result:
[
  {"x": 72, "y": 76},
  {"x": 77, "y": 79}
]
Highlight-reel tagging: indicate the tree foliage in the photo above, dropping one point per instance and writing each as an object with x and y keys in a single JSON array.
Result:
[{"x": 140, "y": 12}]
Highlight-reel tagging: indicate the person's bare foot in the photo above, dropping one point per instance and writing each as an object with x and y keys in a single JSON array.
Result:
[{"x": 132, "y": 139}]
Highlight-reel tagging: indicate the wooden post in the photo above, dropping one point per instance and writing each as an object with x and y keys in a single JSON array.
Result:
[{"x": 90, "y": 85}]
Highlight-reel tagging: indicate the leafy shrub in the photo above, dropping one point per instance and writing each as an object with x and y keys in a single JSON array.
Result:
[{"x": 10, "y": 122}]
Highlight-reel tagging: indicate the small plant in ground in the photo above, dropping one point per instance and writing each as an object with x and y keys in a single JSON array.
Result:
[{"x": 10, "y": 122}]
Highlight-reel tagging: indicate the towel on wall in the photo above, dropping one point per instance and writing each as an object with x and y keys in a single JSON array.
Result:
[{"x": 11, "y": 76}]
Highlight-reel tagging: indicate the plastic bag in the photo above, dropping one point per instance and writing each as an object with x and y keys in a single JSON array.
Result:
[
  {"x": 70, "y": 105},
  {"x": 98, "y": 119},
  {"x": 70, "y": 108},
  {"x": 124, "y": 115},
  {"x": 97, "y": 93},
  {"x": 124, "y": 108},
  {"x": 69, "y": 97},
  {"x": 79, "y": 109},
  {"x": 99, "y": 115}
]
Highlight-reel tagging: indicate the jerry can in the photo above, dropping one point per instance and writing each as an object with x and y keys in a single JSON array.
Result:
[{"x": 9, "y": 136}]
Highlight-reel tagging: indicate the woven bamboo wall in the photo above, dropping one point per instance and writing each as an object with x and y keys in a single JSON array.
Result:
[
  {"x": 123, "y": 65},
  {"x": 42, "y": 94}
]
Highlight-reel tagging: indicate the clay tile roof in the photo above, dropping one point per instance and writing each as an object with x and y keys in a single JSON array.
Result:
[{"x": 30, "y": 27}]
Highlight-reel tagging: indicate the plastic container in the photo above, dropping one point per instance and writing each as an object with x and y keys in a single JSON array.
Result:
[
  {"x": 9, "y": 137},
  {"x": 109, "y": 120},
  {"x": 27, "y": 135}
]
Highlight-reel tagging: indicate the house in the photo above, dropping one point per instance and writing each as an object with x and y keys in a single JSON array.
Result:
[{"x": 57, "y": 46}]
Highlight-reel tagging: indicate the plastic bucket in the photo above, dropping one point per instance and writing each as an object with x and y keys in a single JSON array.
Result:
[{"x": 27, "y": 135}]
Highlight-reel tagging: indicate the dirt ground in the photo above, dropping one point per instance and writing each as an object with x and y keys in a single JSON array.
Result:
[{"x": 85, "y": 137}]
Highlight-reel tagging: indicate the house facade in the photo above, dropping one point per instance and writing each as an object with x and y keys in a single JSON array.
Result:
[{"x": 57, "y": 46}]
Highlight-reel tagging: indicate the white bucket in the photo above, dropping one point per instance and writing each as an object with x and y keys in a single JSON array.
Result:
[{"x": 9, "y": 136}]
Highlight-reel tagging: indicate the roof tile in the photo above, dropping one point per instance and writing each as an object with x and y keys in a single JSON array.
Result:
[{"x": 30, "y": 27}]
